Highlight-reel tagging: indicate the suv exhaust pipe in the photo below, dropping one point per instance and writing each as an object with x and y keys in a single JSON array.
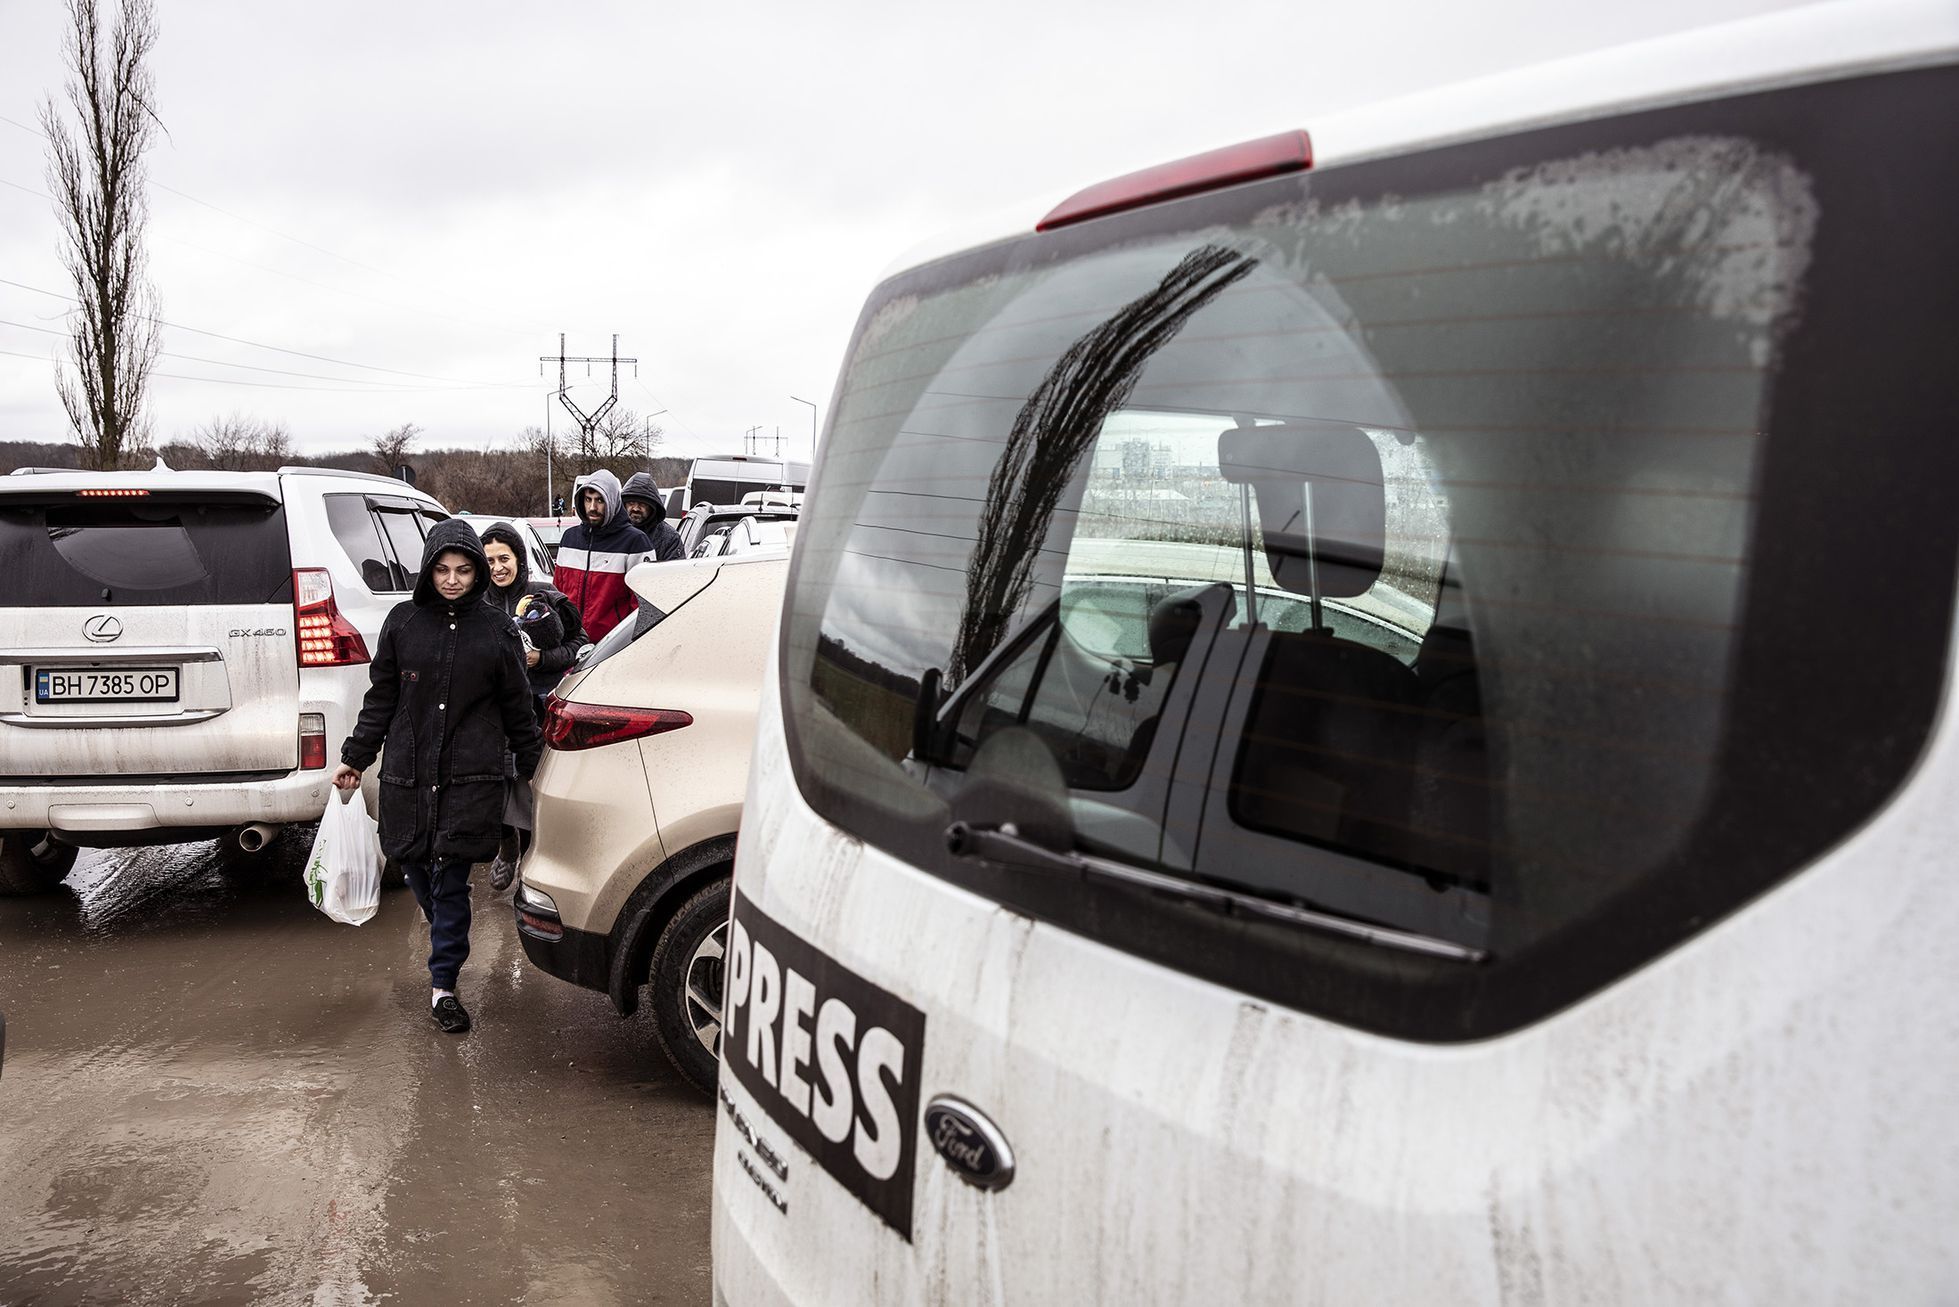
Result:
[{"x": 255, "y": 836}]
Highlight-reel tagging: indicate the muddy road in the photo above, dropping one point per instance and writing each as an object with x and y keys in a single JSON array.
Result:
[{"x": 213, "y": 1094}]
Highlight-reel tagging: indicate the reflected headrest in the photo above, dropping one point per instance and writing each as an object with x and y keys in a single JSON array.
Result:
[{"x": 1349, "y": 506}]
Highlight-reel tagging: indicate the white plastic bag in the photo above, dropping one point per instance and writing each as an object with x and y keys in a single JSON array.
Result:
[{"x": 343, "y": 873}]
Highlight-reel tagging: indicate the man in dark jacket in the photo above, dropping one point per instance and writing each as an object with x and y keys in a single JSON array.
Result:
[
  {"x": 549, "y": 627},
  {"x": 646, "y": 512},
  {"x": 450, "y": 698},
  {"x": 597, "y": 552}
]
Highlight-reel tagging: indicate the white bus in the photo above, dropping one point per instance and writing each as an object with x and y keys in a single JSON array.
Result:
[
  {"x": 1360, "y": 719},
  {"x": 729, "y": 478}
]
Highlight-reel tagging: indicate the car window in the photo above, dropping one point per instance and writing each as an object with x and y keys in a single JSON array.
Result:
[
  {"x": 1430, "y": 543},
  {"x": 155, "y": 550},
  {"x": 359, "y": 536},
  {"x": 403, "y": 531}
]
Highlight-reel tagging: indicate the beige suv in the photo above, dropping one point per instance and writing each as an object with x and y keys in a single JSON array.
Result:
[{"x": 640, "y": 794}]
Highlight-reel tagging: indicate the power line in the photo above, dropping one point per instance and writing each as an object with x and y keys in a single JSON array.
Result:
[
  {"x": 297, "y": 353},
  {"x": 275, "y": 385},
  {"x": 663, "y": 404},
  {"x": 225, "y": 363},
  {"x": 239, "y": 217}
]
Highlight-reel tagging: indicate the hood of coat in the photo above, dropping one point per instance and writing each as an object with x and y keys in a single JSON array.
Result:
[
  {"x": 507, "y": 534},
  {"x": 442, "y": 537},
  {"x": 608, "y": 486},
  {"x": 640, "y": 486}
]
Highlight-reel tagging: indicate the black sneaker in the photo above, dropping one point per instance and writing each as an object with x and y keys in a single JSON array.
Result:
[
  {"x": 504, "y": 869},
  {"x": 448, "y": 1013}
]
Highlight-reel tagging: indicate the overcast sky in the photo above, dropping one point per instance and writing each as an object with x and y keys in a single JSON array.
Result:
[{"x": 439, "y": 188}]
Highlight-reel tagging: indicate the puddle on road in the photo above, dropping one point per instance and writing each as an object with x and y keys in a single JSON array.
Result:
[
  {"x": 171, "y": 885},
  {"x": 234, "y": 1099}
]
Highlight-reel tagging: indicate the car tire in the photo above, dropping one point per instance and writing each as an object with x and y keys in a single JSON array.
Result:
[
  {"x": 684, "y": 984},
  {"x": 34, "y": 862}
]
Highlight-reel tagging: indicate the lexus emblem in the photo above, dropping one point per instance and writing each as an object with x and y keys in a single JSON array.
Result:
[{"x": 103, "y": 627}]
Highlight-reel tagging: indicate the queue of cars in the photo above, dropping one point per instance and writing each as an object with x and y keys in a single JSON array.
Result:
[
  {"x": 182, "y": 652},
  {"x": 237, "y": 611},
  {"x": 1301, "y": 760}
]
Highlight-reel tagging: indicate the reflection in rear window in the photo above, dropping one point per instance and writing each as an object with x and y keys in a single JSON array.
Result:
[
  {"x": 149, "y": 551},
  {"x": 1434, "y": 543}
]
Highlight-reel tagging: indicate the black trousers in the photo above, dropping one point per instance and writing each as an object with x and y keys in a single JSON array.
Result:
[{"x": 442, "y": 888}]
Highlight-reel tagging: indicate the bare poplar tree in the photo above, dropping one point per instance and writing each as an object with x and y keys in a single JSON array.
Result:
[{"x": 95, "y": 167}]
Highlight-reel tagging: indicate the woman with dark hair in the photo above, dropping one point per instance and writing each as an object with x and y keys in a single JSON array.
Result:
[{"x": 552, "y": 635}]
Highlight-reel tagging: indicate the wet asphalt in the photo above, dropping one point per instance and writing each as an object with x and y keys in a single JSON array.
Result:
[{"x": 214, "y": 1094}]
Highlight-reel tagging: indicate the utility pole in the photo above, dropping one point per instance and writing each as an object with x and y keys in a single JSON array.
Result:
[{"x": 586, "y": 422}]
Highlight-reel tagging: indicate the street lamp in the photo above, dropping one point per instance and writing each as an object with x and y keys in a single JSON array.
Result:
[
  {"x": 812, "y": 424},
  {"x": 550, "y": 500}
]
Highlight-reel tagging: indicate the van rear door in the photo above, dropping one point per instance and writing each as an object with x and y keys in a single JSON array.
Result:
[{"x": 146, "y": 633}]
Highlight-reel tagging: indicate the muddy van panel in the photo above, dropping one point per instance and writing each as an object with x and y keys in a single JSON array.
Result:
[{"x": 1327, "y": 699}]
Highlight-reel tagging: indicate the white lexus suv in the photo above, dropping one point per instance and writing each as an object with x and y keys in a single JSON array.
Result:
[{"x": 182, "y": 652}]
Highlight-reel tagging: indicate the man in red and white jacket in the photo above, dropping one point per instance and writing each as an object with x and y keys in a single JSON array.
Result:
[{"x": 596, "y": 554}]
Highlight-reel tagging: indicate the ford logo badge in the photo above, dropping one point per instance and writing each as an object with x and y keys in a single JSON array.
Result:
[{"x": 970, "y": 1144}]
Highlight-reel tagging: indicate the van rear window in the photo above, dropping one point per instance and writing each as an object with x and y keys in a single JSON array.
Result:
[
  {"x": 1523, "y": 552},
  {"x": 77, "y": 553}
]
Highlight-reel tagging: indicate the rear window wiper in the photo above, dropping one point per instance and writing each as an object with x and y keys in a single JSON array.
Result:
[{"x": 1004, "y": 843}]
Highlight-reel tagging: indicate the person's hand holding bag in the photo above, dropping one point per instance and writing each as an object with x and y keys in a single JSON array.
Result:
[{"x": 343, "y": 872}]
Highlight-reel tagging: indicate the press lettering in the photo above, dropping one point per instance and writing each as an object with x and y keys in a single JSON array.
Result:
[
  {"x": 762, "y": 1007},
  {"x": 829, "y": 1057},
  {"x": 877, "y": 1152},
  {"x": 836, "y": 1031},
  {"x": 799, "y": 1000}
]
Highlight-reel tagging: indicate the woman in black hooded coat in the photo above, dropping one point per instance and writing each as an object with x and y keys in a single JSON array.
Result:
[{"x": 450, "y": 700}]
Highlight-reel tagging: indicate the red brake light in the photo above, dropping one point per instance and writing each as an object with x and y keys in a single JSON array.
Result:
[
  {"x": 312, "y": 741},
  {"x": 569, "y": 725},
  {"x": 1247, "y": 161},
  {"x": 123, "y": 492},
  {"x": 324, "y": 637}
]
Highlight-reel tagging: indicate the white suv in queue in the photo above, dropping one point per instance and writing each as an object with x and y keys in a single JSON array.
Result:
[{"x": 182, "y": 652}]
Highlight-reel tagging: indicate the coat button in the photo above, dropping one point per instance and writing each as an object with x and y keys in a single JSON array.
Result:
[
  {"x": 442, "y": 707},
  {"x": 434, "y": 788},
  {"x": 452, "y": 626}
]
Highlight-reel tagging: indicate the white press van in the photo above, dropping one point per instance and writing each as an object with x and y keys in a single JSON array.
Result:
[{"x": 1359, "y": 719}]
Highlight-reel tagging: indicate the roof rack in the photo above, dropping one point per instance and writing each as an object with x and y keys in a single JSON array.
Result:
[
  {"x": 33, "y": 471},
  {"x": 304, "y": 469}
]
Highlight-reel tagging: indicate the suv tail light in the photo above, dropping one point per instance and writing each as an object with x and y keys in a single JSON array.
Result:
[
  {"x": 324, "y": 637},
  {"x": 312, "y": 741},
  {"x": 569, "y": 725}
]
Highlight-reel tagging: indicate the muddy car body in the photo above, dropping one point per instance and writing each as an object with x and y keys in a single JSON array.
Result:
[
  {"x": 1304, "y": 762},
  {"x": 181, "y": 653}
]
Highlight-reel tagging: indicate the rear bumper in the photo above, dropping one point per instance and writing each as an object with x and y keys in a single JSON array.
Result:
[
  {"x": 580, "y": 958},
  {"x": 128, "y": 804}
]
